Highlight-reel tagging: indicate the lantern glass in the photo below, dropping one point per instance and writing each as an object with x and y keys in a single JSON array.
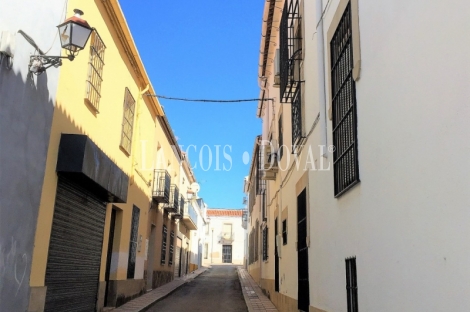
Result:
[{"x": 73, "y": 36}]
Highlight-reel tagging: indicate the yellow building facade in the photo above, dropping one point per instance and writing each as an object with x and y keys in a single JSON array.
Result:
[{"x": 111, "y": 162}]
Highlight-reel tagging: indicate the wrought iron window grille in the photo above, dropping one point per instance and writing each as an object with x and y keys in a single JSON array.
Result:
[
  {"x": 298, "y": 136},
  {"x": 95, "y": 71},
  {"x": 351, "y": 285},
  {"x": 344, "y": 107},
  {"x": 290, "y": 51},
  {"x": 265, "y": 244},
  {"x": 164, "y": 234},
  {"x": 172, "y": 242},
  {"x": 133, "y": 242},
  {"x": 127, "y": 122}
]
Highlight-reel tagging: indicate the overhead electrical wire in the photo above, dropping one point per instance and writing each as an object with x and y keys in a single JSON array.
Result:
[{"x": 206, "y": 100}]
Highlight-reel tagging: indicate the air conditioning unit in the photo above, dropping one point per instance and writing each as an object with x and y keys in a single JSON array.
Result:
[{"x": 270, "y": 162}]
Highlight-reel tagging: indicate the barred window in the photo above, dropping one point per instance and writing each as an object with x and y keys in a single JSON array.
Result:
[
  {"x": 343, "y": 87},
  {"x": 164, "y": 233},
  {"x": 133, "y": 242},
  {"x": 265, "y": 244},
  {"x": 280, "y": 138},
  {"x": 172, "y": 241},
  {"x": 284, "y": 232},
  {"x": 95, "y": 71},
  {"x": 351, "y": 285},
  {"x": 127, "y": 121}
]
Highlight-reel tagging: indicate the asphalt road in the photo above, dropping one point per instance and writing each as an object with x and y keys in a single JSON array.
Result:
[{"x": 217, "y": 289}]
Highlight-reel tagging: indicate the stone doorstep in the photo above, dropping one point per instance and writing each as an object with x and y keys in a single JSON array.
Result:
[{"x": 145, "y": 301}]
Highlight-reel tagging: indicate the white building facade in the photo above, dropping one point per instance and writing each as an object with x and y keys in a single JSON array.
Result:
[
  {"x": 224, "y": 237},
  {"x": 374, "y": 215}
]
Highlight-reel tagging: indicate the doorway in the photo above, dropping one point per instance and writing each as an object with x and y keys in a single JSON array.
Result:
[
  {"x": 150, "y": 257},
  {"x": 303, "y": 290},
  {"x": 227, "y": 253},
  {"x": 276, "y": 257}
]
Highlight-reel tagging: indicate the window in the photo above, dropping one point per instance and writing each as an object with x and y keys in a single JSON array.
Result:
[
  {"x": 284, "y": 232},
  {"x": 127, "y": 122},
  {"x": 227, "y": 231},
  {"x": 260, "y": 183},
  {"x": 351, "y": 285},
  {"x": 344, "y": 117},
  {"x": 206, "y": 250},
  {"x": 172, "y": 241},
  {"x": 164, "y": 232},
  {"x": 207, "y": 228},
  {"x": 280, "y": 138},
  {"x": 290, "y": 50},
  {"x": 265, "y": 244},
  {"x": 95, "y": 71},
  {"x": 133, "y": 242}
]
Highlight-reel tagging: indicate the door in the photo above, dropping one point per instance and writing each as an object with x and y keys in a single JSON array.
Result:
[
  {"x": 74, "y": 259},
  {"x": 227, "y": 253},
  {"x": 178, "y": 257},
  {"x": 109, "y": 254},
  {"x": 303, "y": 290},
  {"x": 276, "y": 257},
  {"x": 150, "y": 257}
]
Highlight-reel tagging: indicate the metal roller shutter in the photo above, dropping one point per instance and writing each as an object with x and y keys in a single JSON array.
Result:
[{"x": 74, "y": 259}]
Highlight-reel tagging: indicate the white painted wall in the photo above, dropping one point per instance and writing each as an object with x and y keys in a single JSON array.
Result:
[
  {"x": 213, "y": 240},
  {"x": 26, "y": 108},
  {"x": 407, "y": 221}
]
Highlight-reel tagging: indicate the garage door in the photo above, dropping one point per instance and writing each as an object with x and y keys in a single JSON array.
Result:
[{"x": 74, "y": 258}]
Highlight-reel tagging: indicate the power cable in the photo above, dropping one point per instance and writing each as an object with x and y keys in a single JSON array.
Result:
[{"x": 206, "y": 100}]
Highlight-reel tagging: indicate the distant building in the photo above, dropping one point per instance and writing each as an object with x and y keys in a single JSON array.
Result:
[{"x": 224, "y": 237}]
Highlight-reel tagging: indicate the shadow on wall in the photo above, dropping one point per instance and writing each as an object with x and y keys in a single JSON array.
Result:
[{"x": 25, "y": 123}]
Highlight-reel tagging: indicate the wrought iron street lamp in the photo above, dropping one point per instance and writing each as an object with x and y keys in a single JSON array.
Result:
[{"x": 74, "y": 33}]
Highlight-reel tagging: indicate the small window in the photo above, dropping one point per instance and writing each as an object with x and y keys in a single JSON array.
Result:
[
  {"x": 172, "y": 241},
  {"x": 127, "y": 122},
  {"x": 133, "y": 242},
  {"x": 207, "y": 228},
  {"x": 95, "y": 71},
  {"x": 206, "y": 250},
  {"x": 164, "y": 233},
  {"x": 351, "y": 285},
  {"x": 284, "y": 232},
  {"x": 265, "y": 244}
]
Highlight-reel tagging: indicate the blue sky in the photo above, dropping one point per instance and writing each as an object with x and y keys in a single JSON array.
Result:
[{"x": 207, "y": 49}]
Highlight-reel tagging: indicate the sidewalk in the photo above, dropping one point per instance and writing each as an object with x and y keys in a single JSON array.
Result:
[
  {"x": 143, "y": 302},
  {"x": 255, "y": 300}
]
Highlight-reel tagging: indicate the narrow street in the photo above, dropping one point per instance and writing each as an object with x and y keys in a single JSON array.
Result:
[{"x": 218, "y": 289}]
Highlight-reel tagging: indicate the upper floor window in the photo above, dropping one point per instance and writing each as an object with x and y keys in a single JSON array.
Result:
[
  {"x": 344, "y": 117},
  {"x": 95, "y": 71},
  {"x": 127, "y": 122},
  {"x": 290, "y": 51}
]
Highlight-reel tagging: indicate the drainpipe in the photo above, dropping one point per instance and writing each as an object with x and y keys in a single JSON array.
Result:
[{"x": 321, "y": 77}]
